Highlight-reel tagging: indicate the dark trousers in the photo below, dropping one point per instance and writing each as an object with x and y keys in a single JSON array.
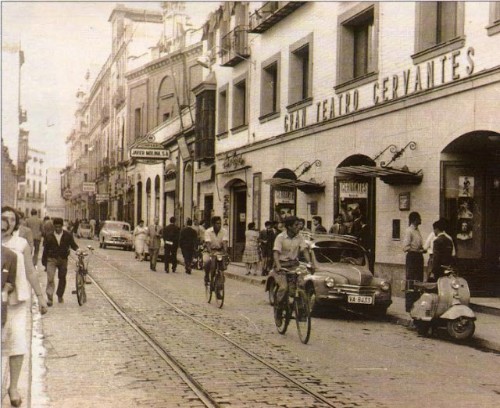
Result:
[
  {"x": 187, "y": 254},
  {"x": 414, "y": 272},
  {"x": 36, "y": 250},
  {"x": 171, "y": 257},
  {"x": 61, "y": 265}
]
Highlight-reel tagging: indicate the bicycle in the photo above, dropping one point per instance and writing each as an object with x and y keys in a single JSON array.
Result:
[
  {"x": 81, "y": 275},
  {"x": 298, "y": 309},
  {"x": 197, "y": 262},
  {"x": 217, "y": 280}
]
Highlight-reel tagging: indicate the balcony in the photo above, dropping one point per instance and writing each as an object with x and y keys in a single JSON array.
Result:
[
  {"x": 119, "y": 97},
  {"x": 234, "y": 47},
  {"x": 271, "y": 13}
]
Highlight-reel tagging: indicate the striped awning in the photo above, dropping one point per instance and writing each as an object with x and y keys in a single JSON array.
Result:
[{"x": 308, "y": 187}]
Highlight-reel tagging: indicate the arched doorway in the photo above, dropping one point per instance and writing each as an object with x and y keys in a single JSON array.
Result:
[
  {"x": 188, "y": 192},
  {"x": 354, "y": 199},
  {"x": 283, "y": 198},
  {"x": 470, "y": 199},
  {"x": 157, "y": 197},
  {"x": 235, "y": 215}
]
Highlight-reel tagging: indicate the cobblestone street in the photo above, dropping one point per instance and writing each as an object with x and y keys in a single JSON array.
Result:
[{"x": 94, "y": 358}]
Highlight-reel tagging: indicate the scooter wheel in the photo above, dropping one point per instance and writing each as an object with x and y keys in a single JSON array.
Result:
[
  {"x": 422, "y": 327},
  {"x": 461, "y": 328}
]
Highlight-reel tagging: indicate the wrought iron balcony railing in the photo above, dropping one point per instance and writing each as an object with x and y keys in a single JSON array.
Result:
[
  {"x": 271, "y": 13},
  {"x": 234, "y": 47}
]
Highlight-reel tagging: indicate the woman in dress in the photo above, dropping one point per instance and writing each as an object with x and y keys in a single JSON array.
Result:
[
  {"x": 14, "y": 343},
  {"x": 140, "y": 233},
  {"x": 251, "y": 254}
]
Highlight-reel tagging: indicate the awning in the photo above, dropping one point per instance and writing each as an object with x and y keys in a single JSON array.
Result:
[
  {"x": 307, "y": 187},
  {"x": 388, "y": 175}
]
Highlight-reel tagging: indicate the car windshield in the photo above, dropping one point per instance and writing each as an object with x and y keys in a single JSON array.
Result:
[
  {"x": 339, "y": 253},
  {"x": 117, "y": 226}
]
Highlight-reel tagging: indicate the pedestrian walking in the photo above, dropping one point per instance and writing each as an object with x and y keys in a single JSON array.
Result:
[
  {"x": 14, "y": 342},
  {"x": 56, "y": 251},
  {"x": 338, "y": 226},
  {"x": 154, "y": 242},
  {"x": 188, "y": 241},
  {"x": 24, "y": 232},
  {"x": 318, "y": 225},
  {"x": 251, "y": 253},
  {"x": 413, "y": 247},
  {"x": 171, "y": 240},
  {"x": 9, "y": 271},
  {"x": 140, "y": 234},
  {"x": 92, "y": 227},
  {"x": 429, "y": 247},
  {"x": 35, "y": 224},
  {"x": 266, "y": 242}
]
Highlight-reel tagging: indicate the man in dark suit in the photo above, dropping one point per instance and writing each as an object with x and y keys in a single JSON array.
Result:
[
  {"x": 442, "y": 249},
  {"x": 171, "y": 240},
  {"x": 266, "y": 241},
  {"x": 154, "y": 242},
  {"x": 188, "y": 240},
  {"x": 56, "y": 251}
]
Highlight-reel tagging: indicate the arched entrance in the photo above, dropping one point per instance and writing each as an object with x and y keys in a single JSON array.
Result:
[
  {"x": 148, "y": 202},
  {"x": 354, "y": 199},
  {"x": 236, "y": 205},
  {"x": 157, "y": 197},
  {"x": 470, "y": 199},
  {"x": 283, "y": 198},
  {"x": 139, "y": 201}
]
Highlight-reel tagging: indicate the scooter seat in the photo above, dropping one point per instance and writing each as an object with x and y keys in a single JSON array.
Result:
[{"x": 430, "y": 287}]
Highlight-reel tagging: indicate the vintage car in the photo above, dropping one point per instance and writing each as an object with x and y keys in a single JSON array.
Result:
[
  {"x": 341, "y": 278},
  {"x": 116, "y": 233},
  {"x": 84, "y": 231}
]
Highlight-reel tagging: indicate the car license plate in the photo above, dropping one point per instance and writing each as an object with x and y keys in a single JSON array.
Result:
[{"x": 366, "y": 300}]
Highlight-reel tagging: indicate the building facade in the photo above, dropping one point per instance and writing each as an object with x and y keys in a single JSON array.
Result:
[
  {"x": 31, "y": 191},
  {"x": 383, "y": 107},
  {"x": 54, "y": 202},
  {"x": 9, "y": 179}
]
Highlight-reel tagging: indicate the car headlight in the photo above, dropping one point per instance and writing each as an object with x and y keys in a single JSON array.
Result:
[
  {"x": 385, "y": 286},
  {"x": 455, "y": 284},
  {"x": 330, "y": 282}
]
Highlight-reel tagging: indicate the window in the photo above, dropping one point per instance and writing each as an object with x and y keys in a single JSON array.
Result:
[
  {"x": 300, "y": 72},
  {"x": 222, "y": 108},
  {"x": 137, "y": 123},
  {"x": 439, "y": 28},
  {"x": 270, "y": 88},
  {"x": 239, "y": 103},
  {"x": 494, "y": 26},
  {"x": 358, "y": 46}
]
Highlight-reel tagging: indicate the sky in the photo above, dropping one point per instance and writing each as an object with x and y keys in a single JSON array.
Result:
[{"x": 61, "y": 41}]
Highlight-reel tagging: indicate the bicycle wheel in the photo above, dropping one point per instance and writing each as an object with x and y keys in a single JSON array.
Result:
[
  {"x": 219, "y": 288},
  {"x": 302, "y": 316},
  {"x": 282, "y": 315},
  {"x": 80, "y": 288}
]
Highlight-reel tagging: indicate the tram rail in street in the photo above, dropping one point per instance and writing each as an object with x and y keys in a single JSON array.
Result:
[{"x": 203, "y": 394}]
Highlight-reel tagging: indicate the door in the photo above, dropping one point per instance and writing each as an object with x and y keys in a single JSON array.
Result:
[{"x": 239, "y": 222}]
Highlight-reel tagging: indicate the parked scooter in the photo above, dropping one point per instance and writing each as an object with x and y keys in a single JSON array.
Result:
[{"x": 444, "y": 304}]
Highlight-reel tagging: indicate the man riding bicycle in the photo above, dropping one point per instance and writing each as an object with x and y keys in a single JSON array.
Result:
[
  {"x": 286, "y": 253},
  {"x": 216, "y": 239}
]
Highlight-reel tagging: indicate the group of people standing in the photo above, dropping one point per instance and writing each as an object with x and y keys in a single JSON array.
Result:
[
  {"x": 440, "y": 247},
  {"x": 187, "y": 238}
]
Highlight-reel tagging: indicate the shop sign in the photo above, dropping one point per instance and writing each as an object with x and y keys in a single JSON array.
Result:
[
  {"x": 353, "y": 189},
  {"x": 149, "y": 153},
  {"x": 88, "y": 187},
  {"x": 102, "y": 197},
  {"x": 284, "y": 197},
  {"x": 417, "y": 78}
]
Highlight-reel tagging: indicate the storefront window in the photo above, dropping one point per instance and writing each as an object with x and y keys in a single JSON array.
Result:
[{"x": 463, "y": 205}]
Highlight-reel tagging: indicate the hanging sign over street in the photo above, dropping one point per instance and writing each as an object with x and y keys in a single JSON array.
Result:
[
  {"x": 88, "y": 187},
  {"x": 149, "y": 153},
  {"x": 102, "y": 197}
]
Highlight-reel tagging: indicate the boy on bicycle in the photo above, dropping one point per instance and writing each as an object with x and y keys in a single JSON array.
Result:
[
  {"x": 216, "y": 239},
  {"x": 286, "y": 253}
]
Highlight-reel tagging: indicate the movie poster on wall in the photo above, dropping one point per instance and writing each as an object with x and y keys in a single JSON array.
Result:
[
  {"x": 465, "y": 186},
  {"x": 352, "y": 195}
]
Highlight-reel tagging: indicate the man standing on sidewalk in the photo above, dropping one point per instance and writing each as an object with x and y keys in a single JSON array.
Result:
[
  {"x": 56, "y": 251},
  {"x": 171, "y": 240},
  {"x": 34, "y": 223},
  {"x": 188, "y": 241},
  {"x": 154, "y": 242}
]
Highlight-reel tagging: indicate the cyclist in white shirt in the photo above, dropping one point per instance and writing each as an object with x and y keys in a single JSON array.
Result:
[{"x": 216, "y": 241}]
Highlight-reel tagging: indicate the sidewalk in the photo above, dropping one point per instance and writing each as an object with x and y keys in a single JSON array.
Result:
[{"x": 487, "y": 310}]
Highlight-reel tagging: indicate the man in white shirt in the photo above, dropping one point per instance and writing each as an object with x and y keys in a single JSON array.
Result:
[{"x": 216, "y": 241}]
